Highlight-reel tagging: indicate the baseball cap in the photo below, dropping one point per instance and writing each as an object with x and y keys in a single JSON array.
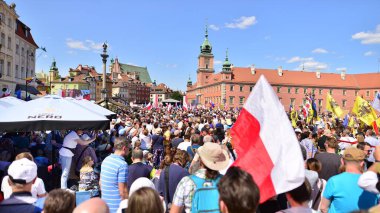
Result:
[
  {"x": 22, "y": 171},
  {"x": 354, "y": 154}
]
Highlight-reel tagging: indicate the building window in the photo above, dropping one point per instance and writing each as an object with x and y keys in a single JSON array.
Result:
[
  {"x": 367, "y": 93},
  {"x": 289, "y": 89},
  {"x": 250, "y": 88},
  {"x": 344, "y": 103},
  {"x": 22, "y": 51},
  {"x": 17, "y": 49},
  {"x": 17, "y": 74},
  {"x": 344, "y": 92},
  {"x": 313, "y": 91},
  {"x": 2, "y": 66},
  {"x": 331, "y": 91},
  {"x": 241, "y": 88},
  {"x": 8, "y": 68},
  {"x": 232, "y": 100},
  {"x": 3, "y": 39},
  {"x": 9, "y": 43},
  {"x": 304, "y": 90},
  {"x": 278, "y": 89},
  {"x": 356, "y": 93},
  {"x": 22, "y": 72},
  {"x": 241, "y": 101},
  {"x": 296, "y": 90},
  {"x": 232, "y": 88},
  {"x": 320, "y": 91}
]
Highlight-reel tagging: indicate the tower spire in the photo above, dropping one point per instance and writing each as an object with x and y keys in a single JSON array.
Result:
[
  {"x": 227, "y": 54},
  {"x": 206, "y": 31}
]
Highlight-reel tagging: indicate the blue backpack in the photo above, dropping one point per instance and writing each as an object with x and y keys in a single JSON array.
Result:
[{"x": 206, "y": 195}]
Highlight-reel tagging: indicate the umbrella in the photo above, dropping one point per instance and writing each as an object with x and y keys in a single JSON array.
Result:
[
  {"x": 93, "y": 107},
  {"x": 50, "y": 113}
]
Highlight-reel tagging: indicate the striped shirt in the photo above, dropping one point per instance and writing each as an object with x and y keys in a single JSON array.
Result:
[{"x": 114, "y": 170}]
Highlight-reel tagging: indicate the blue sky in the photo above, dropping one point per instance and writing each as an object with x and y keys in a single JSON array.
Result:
[{"x": 165, "y": 35}]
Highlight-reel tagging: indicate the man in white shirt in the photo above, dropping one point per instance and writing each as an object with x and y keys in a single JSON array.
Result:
[
  {"x": 66, "y": 153},
  {"x": 185, "y": 144},
  {"x": 370, "y": 137}
]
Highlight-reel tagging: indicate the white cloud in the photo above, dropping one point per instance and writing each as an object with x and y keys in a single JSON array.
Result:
[
  {"x": 214, "y": 27},
  {"x": 83, "y": 45},
  {"x": 299, "y": 59},
  {"x": 319, "y": 50},
  {"x": 313, "y": 65},
  {"x": 173, "y": 66},
  {"x": 242, "y": 22},
  {"x": 216, "y": 62},
  {"x": 369, "y": 53},
  {"x": 368, "y": 37},
  {"x": 307, "y": 63},
  {"x": 280, "y": 58},
  {"x": 341, "y": 69}
]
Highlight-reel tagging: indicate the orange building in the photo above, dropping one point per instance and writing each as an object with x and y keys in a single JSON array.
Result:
[{"x": 232, "y": 85}]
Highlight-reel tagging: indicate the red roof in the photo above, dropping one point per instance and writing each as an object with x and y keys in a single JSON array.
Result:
[
  {"x": 24, "y": 32},
  {"x": 301, "y": 78}
]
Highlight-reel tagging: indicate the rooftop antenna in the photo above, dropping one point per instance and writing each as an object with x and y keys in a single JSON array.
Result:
[{"x": 303, "y": 66}]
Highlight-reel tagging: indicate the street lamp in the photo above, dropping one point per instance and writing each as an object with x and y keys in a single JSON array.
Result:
[
  {"x": 26, "y": 74},
  {"x": 104, "y": 56}
]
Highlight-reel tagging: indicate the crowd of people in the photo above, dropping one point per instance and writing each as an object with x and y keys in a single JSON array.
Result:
[{"x": 182, "y": 161}]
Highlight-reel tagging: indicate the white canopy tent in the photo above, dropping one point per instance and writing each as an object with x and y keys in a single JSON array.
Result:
[
  {"x": 11, "y": 100},
  {"x": 50, "y": 113},
  {"x": 93, "y": 107}
]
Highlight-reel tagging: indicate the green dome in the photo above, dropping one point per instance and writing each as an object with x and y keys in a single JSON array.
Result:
[{"x": 206, "y": 46}]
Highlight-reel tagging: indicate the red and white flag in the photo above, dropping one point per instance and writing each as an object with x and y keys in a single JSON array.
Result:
[
  {"x": 184, "y": 104},
  {"x": 148, "y": 107},
  {"x": 155, "y": 101},
  {"x": 266, "y": 145},
  {"x": 170, "y": 106}
]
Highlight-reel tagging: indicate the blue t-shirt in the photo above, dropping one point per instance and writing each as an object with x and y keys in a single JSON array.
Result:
[
  {"x": 345, "y": 194},
  {"x": 114, "y": 170}
]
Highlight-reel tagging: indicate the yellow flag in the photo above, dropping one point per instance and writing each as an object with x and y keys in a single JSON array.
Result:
[
  {"x": 352, "y": 122},
  {"x": 332, "y": 106},
  {"x": 294, "y": 116},
  {"x": 310, "y": 115},
  {"x": 378, "y": 122},
  {"x": 364, "y": 111}
]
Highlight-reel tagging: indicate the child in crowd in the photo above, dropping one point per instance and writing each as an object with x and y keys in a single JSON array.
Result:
[{"x": 88, "y": 179}]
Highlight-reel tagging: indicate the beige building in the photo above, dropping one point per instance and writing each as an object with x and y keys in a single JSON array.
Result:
[{"x": 17, "y": 49}]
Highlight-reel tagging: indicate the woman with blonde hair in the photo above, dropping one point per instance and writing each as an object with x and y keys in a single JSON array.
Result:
[
  {"x": 138, "y": 201},
  {"x": 88, "y": 179}
]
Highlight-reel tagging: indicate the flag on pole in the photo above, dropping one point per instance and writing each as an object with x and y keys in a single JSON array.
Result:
[
  {"x": 184, "y": 103},
  {"x": 148, "y": 107},
  {"x": 332, "y": 106},
  {"x": 155, "y": 101},
  {"x": 363, "y": 110},
  {"x": 376, "y": 102},
  {"x": 267, "y": 156}
]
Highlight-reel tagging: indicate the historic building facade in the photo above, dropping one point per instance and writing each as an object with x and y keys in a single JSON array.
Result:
[
  {"x": 83, "y": 80},
  {"x": 232, "y": 85},
  {"x": 17, "y": 49},
  {"x": 162, "y": 91}
]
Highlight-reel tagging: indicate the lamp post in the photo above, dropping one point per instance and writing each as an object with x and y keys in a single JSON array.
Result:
[
  {"x": 26, "y": 74},
  {"x": 104, "y": 56}
]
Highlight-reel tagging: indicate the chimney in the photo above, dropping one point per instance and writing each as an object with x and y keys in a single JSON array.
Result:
[
  {"x": 343, "y": 74},
  {"x": 279, "y": 71},
  {"x": 318, "y": 74},
  {"x": 253, "y": 69}
]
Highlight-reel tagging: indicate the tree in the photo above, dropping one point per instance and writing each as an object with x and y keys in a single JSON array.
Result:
[{"x": 176, "y": 95}]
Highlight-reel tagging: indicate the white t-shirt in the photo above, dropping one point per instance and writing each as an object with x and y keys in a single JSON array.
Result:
[
  {"x": 183, "y": 145},
  {"x": 38, "y": 188},
  {"x": 146, "y": 141},
  {"x": 69, "y": 141}
]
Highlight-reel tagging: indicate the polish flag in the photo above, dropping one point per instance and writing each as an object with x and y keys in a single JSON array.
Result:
[
  {"x": 170, "y": 107},
  {"x": 155, "y": 102},
  {"x": 148, "y": 107},
  {"x": 266, "y": 145},
  {"x": 184, "y": 104}
]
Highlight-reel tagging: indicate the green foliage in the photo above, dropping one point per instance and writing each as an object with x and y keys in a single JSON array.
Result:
[{"x": 176, "y": 95}]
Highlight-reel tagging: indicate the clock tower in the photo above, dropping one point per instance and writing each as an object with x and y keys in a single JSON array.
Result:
[{"x": 205, "y": 62}]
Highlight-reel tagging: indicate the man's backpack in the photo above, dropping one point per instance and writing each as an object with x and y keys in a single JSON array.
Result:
[{"x": 206, "y": 195}]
